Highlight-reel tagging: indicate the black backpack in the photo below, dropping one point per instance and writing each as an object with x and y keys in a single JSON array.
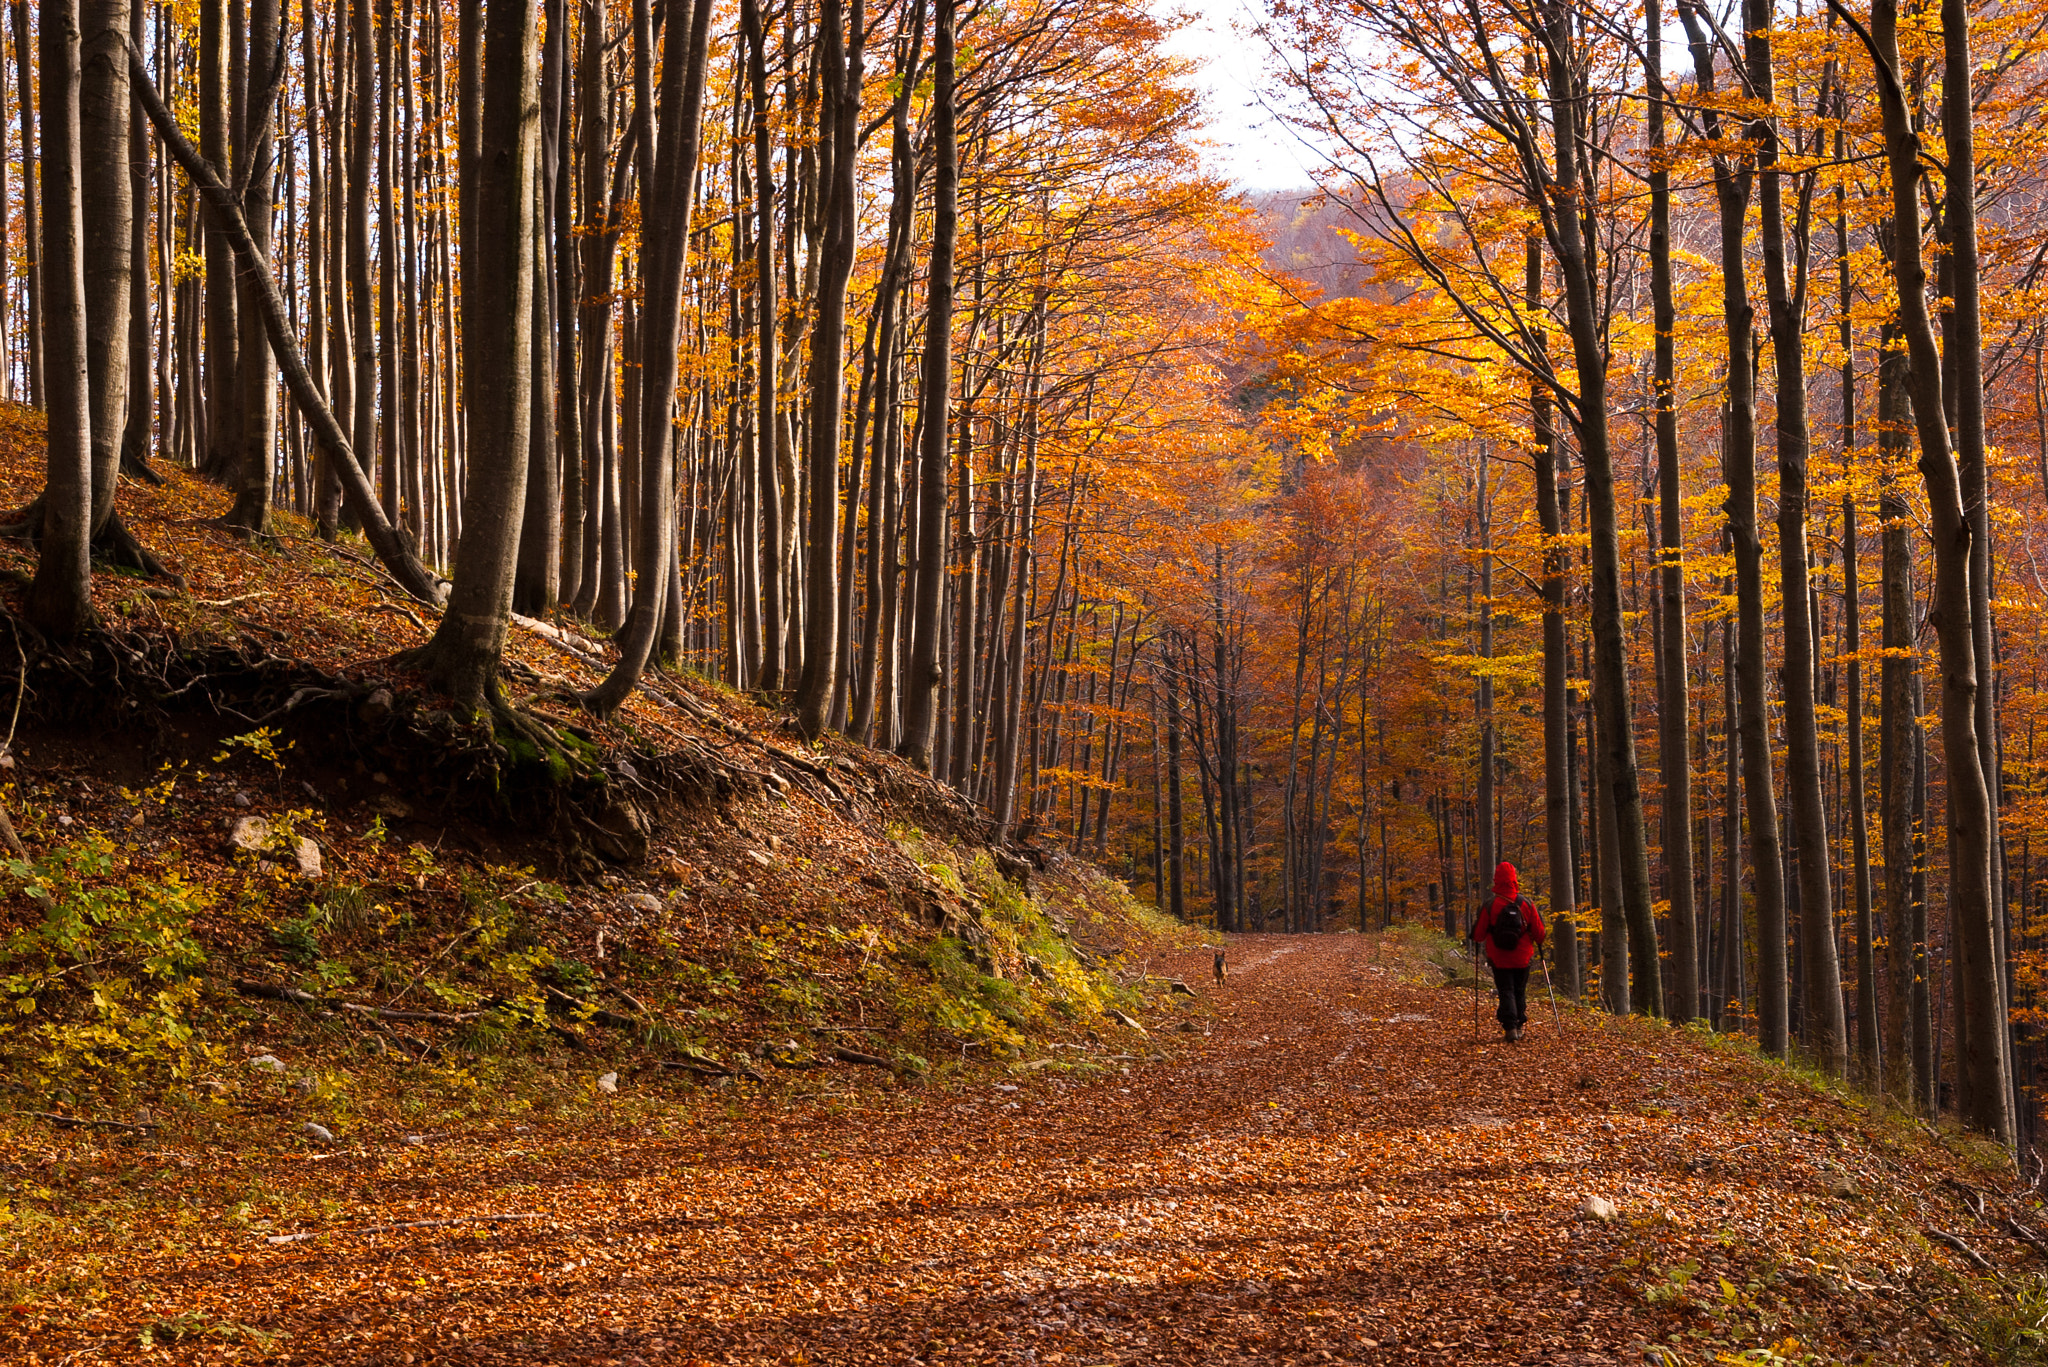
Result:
[{"x": 1509, "y": 926}]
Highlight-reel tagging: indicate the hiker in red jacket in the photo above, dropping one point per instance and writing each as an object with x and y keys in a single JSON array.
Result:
[{"x": 1510, "y": 930}]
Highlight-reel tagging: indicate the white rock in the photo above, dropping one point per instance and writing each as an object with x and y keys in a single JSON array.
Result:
[
  {"x": 243, "y": 800},
  {"x": 1598, "y": 1208},
  {"x": 269, "y": 1063},
  {"x": 307, "y": 858},
  {"x": 643, "y": 901},
  {"x": 319, "y": 1134},
  {"x": 759, "y": 858},
  {"x": 415, "y": 1139},
  {"x": 249, "y": 833},
  {"x": 608, "y": 1083}
]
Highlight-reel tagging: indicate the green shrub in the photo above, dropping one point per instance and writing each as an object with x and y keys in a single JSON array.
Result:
[{"x": 104, "y": 983}]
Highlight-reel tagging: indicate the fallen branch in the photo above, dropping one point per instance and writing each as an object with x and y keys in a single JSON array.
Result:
[
  {"x": 280, "y": 993},
  {"x": 422, "y": 1017},
  {"x": 583, "y": 1010},
  {"x": 275, "y": 992},
  {"x": 2027, "y": 1236},
  {"x": 845, "y": 1055},
  {"x": 1970, "y": 1255},
  {"x": 72, "y": 1122},
  {"x": 408, "y": 1224},
  {"x": 1972, "y": 1198}
]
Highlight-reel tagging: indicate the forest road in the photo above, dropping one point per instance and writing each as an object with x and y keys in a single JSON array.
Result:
[{"x": 1334, "y": 1172}]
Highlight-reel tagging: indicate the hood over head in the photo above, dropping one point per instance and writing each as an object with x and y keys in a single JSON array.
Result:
[{"x": 1505, "y": 883}]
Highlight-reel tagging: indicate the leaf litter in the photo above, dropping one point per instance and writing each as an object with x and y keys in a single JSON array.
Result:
[{"x": 1370, "y": 1183}]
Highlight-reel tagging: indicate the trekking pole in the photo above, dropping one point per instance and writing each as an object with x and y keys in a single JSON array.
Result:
[
  {"x": 1555, "y": 1014},
  {"x": 1475, "y": 991}
]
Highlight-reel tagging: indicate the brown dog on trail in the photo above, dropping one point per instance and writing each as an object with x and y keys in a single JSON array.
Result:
[{"x": 1222, "y": 973}]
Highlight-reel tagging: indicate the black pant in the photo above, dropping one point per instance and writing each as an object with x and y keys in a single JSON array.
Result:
[{"x": 1513, "y": 986}]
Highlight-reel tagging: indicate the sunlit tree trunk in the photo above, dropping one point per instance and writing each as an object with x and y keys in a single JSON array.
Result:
[
  {"x": 840, "y": 40},
  {"x": 1979, "y": 1006},
  {"x": 1738, "y": 438},
  {"x": 1673, "y": 704},
  {"x": 922, "y": 686},
  {"x": 464, "y": 654}
]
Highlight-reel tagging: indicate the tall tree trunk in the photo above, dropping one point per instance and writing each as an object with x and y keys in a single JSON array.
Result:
[
  {"x": 536, "y": 583},
  {"x": 215, "y": 136},
  {"x": 1825, "y": 1032},
  {"x": 839, "y": 112},
  {"x": 135, "y": 440},
  {"x": 31, "y": 198},
  {"x": 1980, "y": 1011},
  {"x": 921, "y": 688},
  {"x": 252, "y": 475},
  {"x": 59, "y": 599},
  {"x": 1673, "y": 706},
  {"x": 767, "y": 312},
  {"x": 1896, "y": 722},
  {"x": 464, "y": 654},
  {"x": 107, "y": 202},
  {"x": 1573, "y": 248},
  {"x": 1738, "y": 437},
  {"x": 1868, "y": 1057},
  {"x": 362, "y": 311},
  {"x": 664, "y": 253}
]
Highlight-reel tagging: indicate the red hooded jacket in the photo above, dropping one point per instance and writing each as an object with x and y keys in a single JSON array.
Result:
[{"x": 1507, "y": 890}]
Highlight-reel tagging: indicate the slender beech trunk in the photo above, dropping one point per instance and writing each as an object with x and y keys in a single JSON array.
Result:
[
  {"x": 1825, "y": 1032},
  {"x": 840, "y": 40},
  {"x": 107, "y": 202},
  {"x": 136, "y": 441},
  {"x": 1731, "y": 191},
  {"x": 59, "y": 601},
  {"x": 1573, "y": 247},
  {"x": 767, "y": 312},
  {"x": 1979, "y": 1006},
  {"x": 31, "y": 199},
  {"x": 1869, "y": 1066},
  {"x": 664, "y": 254},
  {"x": 1673, "y": 706},
  {"x": 498, "y": 316},
  {"x": 252, "y": 473},
  {"x": 215, "y": 137},
  {"x": 1896, "y": 722},
  {"x": 921, "y": 689}
]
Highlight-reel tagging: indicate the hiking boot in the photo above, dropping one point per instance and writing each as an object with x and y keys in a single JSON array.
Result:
[{"x": 1514, "y": 1034}]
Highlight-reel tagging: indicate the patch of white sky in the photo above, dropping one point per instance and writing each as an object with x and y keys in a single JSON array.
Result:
[
  {"x": 1242, "y": 95},
  {"x": 1248, "y": 143}
]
